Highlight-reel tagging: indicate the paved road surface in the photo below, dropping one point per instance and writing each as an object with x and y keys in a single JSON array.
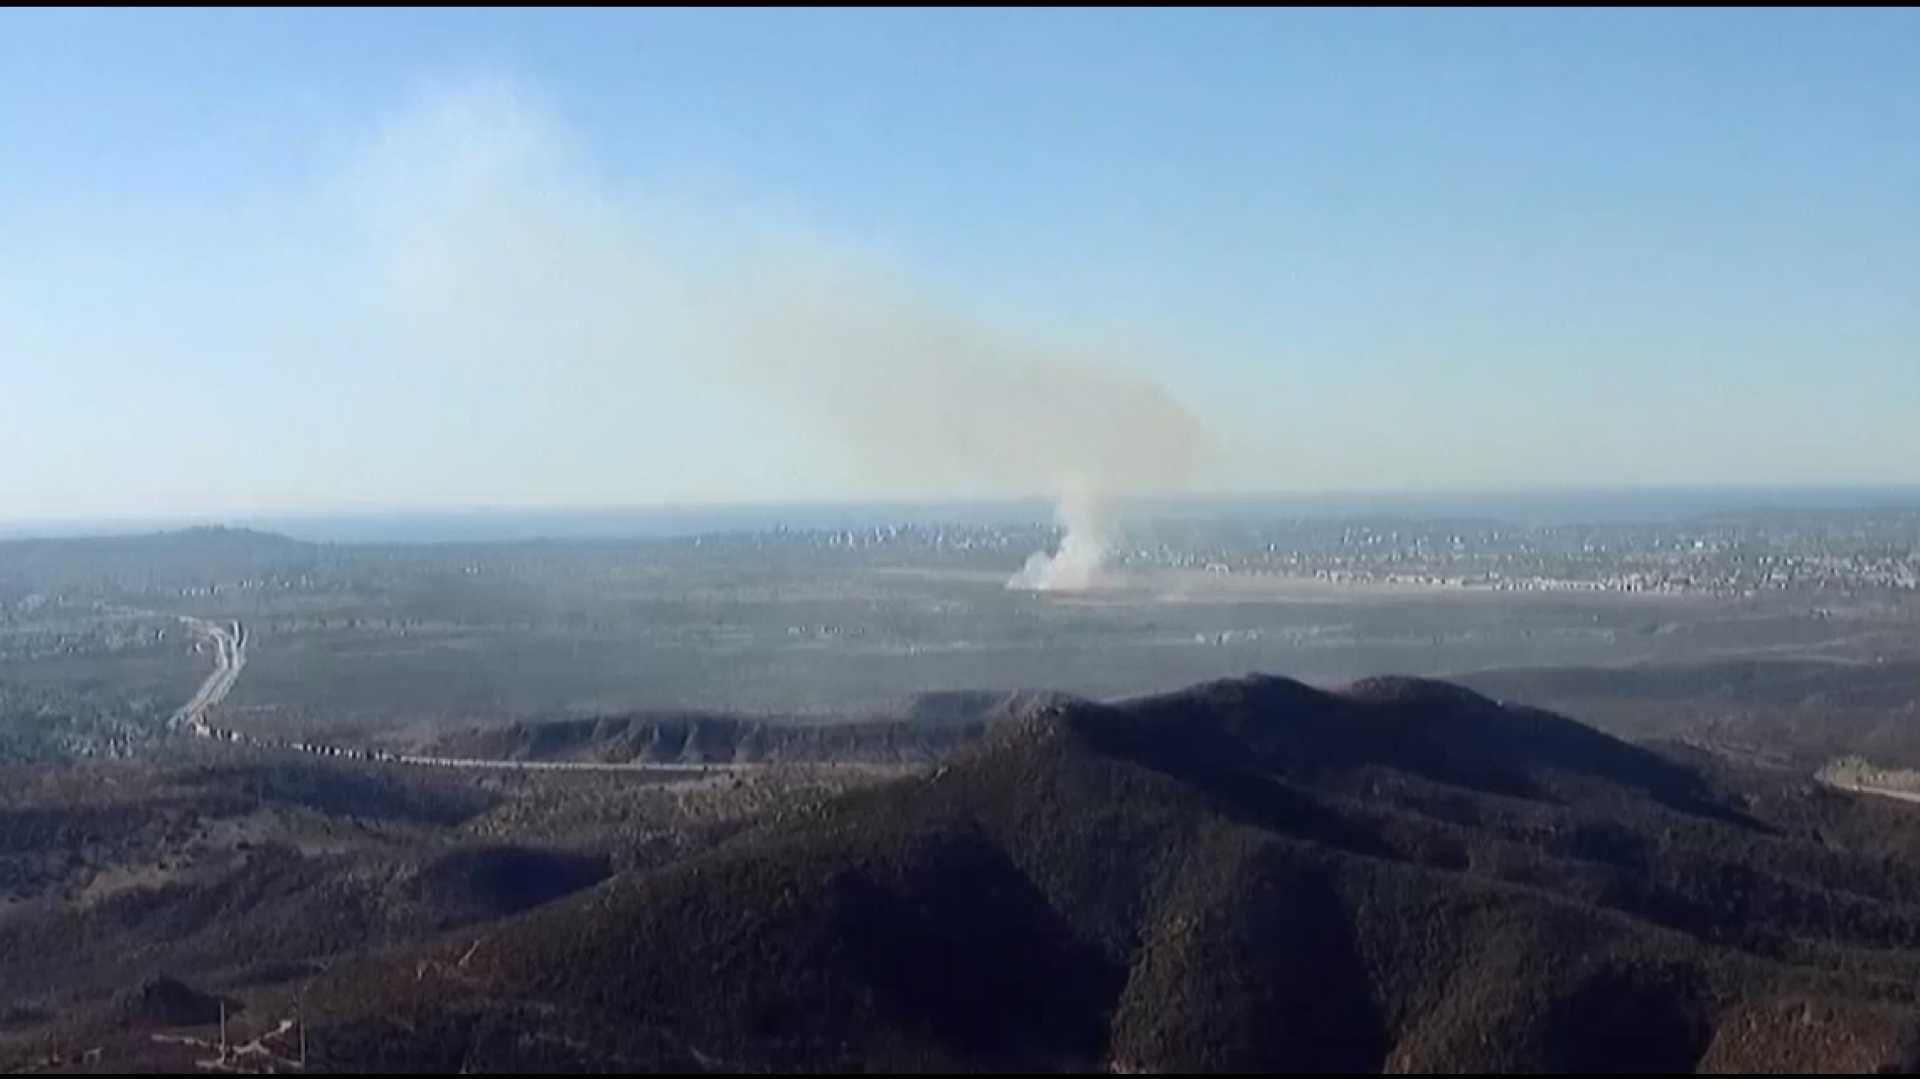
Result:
[
  {"x": 1884, "y": 792},
  {"x": 230, "y": 657}
]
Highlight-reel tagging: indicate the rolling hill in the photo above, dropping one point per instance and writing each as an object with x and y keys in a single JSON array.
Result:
[{"x": 1251, "y": 874}]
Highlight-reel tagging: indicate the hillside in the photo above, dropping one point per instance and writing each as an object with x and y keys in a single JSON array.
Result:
[
  {"x": 190, "y": 555},
  {"x": 239, "y": 874},
  {"x": 1803, "y": 711},
  {"x": 923, "y": 729},
  {"x": 1247, "y": 874}
]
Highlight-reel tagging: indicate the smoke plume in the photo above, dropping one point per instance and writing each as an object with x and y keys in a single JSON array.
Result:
[
  {"x": 1076, "y": 564},
  {"x": 930, "y": 402},
  {"x": 492, "y": 236}
]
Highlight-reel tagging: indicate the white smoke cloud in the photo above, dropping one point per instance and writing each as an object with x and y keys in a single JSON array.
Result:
[
  {"x": 488, "y": 234},
  {"x": 1077, "y": 564},
  {"x": 923, "y": 397}
]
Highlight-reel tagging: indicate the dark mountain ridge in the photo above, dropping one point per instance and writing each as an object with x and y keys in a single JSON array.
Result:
[
  {"x": 1250, "y": 874},
  {"x": 922, "y": 729}
]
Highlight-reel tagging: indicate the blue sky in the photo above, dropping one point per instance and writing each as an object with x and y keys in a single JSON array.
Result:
[{"x": 1353, "y": 249}]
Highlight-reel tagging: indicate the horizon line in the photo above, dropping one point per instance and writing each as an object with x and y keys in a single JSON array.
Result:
[{"x": 56, "y": 526}]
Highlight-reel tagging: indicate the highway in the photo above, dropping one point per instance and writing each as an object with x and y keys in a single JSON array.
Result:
[
  {"x": 229, "y": 643},
  {"x": 229, "y": 659},
  {"x": 1884, "y": 792}
]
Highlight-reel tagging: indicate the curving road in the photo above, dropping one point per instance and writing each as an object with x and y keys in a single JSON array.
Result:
[
  {"x": 229, "y": 658},
  {"x": 1862, "y": 788}
]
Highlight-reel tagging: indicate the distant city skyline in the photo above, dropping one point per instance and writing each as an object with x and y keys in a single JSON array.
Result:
[
  {"x": 1520, "y": 507},
  {"x": 282, "y": 263}
]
